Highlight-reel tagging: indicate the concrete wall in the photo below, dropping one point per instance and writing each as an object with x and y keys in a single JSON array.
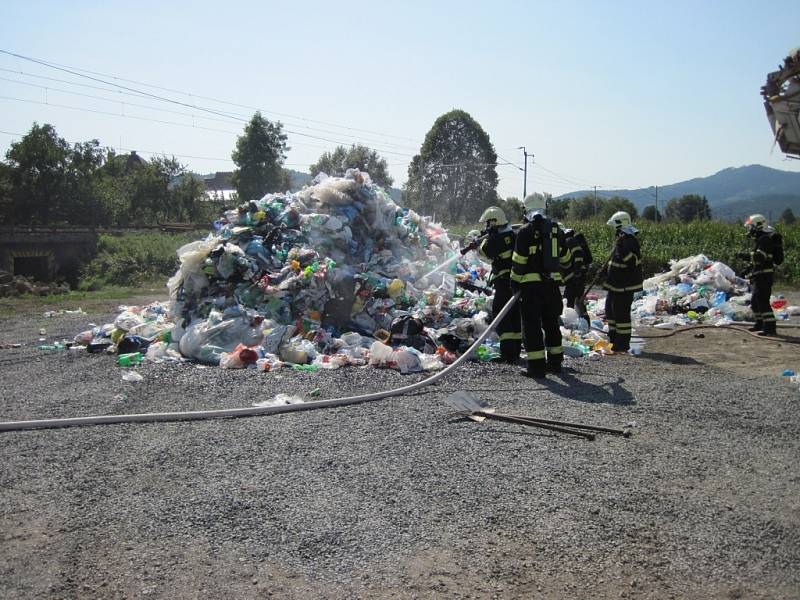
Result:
[{"x": 46, "y": 254}]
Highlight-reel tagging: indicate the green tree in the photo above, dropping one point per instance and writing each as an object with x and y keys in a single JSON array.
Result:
[
  {"x": 454, "y": 175},
  {"x": 651, "y": 213},
  {"x": 787, "y": 217},
  {"x": 616, "y": 204},
  {"x": 259, "y": 156},
  {"x": 584, "y": 208},
  {"x": 6, "y": 202},
  {"x": 49, "y": 182},
  {"x": 688, "y": 208},
  {"x": 358, "y": 157},
  {"x": 558, "y": 209},
  {"x": 513, "y": 208},
  {"x": 38, "y": 166}
]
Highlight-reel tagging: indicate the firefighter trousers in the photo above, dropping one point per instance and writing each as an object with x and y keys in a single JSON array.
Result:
[
  {"x": 573, "y": 293},
  {"x": 541, "y": 307},
  {"x": 618, "y": 316},
  {"x": 509, "y": 328},
  {"x": 759, "y": 304}
]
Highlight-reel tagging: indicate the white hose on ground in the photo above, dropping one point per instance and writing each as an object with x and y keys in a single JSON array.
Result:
[{"x": 253, "y": 411}]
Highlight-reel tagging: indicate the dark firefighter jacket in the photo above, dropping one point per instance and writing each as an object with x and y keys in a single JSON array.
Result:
[
  {"x": 531, "y": 254},
  {"x": 761, "y": 257},
  {"x": 498, "y": 247},
  {"x": 581, "y": 257},
  {"x": 625, "y": 267}
]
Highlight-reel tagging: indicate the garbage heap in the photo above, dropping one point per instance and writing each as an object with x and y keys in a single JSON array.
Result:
[
  {"x": 698, "y": 289},
  {"x": 694, "y": 290},
  {"x": 336, "y": 274}
]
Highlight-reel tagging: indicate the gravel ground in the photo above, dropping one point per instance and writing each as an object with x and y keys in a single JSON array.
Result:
[{"x": 398, "y": 498}]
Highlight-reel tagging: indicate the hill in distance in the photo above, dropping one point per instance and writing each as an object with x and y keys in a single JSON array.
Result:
[{"x": 732, "y": 193}]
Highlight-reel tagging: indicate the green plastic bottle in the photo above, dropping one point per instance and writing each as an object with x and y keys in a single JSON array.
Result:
[{"x": 129, "y": 360}]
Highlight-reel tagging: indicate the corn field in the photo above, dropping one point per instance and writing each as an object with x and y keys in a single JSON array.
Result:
[{"x": 666, "y": 241}]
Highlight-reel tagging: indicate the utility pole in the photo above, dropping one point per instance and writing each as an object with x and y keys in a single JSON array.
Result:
[
  {"x": 525, "y": 176},
  {"x": 595, "y": 201},
  {"x": 656, "y": 205}
]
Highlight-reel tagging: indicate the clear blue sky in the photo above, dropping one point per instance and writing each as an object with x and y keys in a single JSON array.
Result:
[{"x": 614, "y": 94}]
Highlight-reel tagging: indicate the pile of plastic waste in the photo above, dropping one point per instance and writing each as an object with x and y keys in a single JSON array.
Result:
[
  {"x": 336, "y": 274},
  {"x": 695, "y": 290}
]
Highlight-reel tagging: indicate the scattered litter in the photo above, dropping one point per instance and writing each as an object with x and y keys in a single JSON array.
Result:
[
  {"x": 280, "y": 400},
  {"x": 64, "y": 311},
  {"x": 129, "y": 360},
  {"x": 132, "y": 377}
]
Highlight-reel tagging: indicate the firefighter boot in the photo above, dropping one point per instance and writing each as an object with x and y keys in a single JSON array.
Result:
[
  {"x": 769, "y": 329},
  {"x": 536, "y": 369},
  {"x": 553, "y": 366}
]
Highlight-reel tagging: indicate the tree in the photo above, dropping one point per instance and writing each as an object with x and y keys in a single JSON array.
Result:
[
  {"x": 6, "y": 202},
  {"x": 455, "y": 173},
  {"x": 688, "y": 208},
  {"x": 558, "y": 209},
  {"x": 616, "y": 204},
  {"x": 259, "y": 154},
  {"x": 49, "y": 182},
  {"x": 651, "y": 213},
  {"x": 513, "y": 208},
  {"x": 787, "y": 217},
  {"x": 358, "y": 157},
  {"x": 584, "y": 208},
  {"x": 38, "y": 165}
]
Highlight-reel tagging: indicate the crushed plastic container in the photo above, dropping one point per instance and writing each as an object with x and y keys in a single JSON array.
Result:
[{"x": 130, "y": 359}]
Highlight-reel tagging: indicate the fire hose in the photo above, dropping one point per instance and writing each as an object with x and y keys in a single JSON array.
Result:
[{"x": 254, "y": 411}]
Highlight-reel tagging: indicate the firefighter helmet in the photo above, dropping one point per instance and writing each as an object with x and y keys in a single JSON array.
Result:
[
  {"x": 534, "y": 202},
  {"x": 496, "y": 214},
  {"x": 755, "y": 223},
  {"x": 619, "y": 220}
]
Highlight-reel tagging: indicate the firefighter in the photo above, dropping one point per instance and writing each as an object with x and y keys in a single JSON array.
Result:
[
  {"x": 497, "y": 245},
  {"x": 574, "y": 274},
  {"x": 623, "y": 278},
  {"x": 767, "y": 252},
  {"x": 539, "y": 255}
]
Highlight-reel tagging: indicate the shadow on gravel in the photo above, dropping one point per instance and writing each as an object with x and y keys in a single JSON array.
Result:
[
  {"x": 670, "y": 358},
  {"x": 567, "y": 385}
]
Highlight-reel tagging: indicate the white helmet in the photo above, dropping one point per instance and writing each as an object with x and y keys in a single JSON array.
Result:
[
  {"x": 474, "y": 234},
  {"x": 496, "y": 214},
  {"x": 534, "y": 202},
  {"x": 755, "y": 223},
  {"x": 619, "y": 220}
]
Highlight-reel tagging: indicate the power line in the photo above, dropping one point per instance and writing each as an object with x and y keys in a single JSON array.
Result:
[
  {"x": 166, "y": 110},
  {"x": 75, "y": 71},
  {"x": 192, "y": 126}
]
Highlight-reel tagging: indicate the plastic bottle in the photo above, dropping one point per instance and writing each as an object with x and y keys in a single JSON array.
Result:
[{"x": 130, "y": 359}]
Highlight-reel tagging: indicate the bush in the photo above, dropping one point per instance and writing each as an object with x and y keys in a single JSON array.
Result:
[{"x": 132, "y": 259}]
